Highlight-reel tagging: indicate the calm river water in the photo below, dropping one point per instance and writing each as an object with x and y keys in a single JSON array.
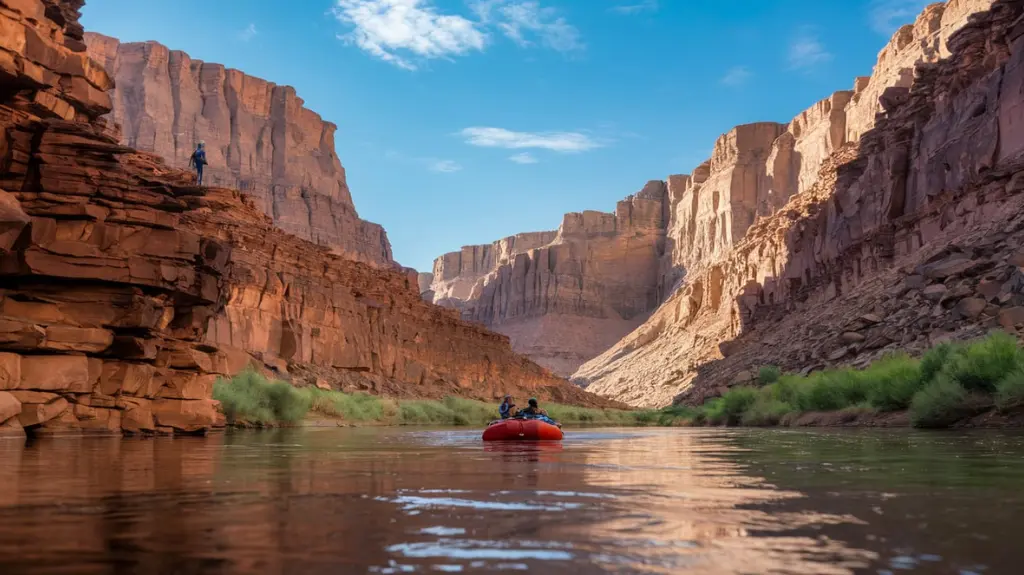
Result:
[{"x": 339, "y": 501}]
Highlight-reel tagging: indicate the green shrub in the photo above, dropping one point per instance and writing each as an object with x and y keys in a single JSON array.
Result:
[
  {"x": 1010, "y": 390},
  {"x": 789, "y": 389},
  {"x": 679, "y": 415},
  {"x": 348, "y": 406},
  {"x": 935, "y": 360},
  {"x": 729, "y": 408},
  {"x": 415, "y": 412},
  {"x": 833, "y": 389},
  {"x": 940, "y": 404},
  {"x": 893, "y": 381},
  {"x": 251, "y": 398},
  {"x": 766, "y": 411},
  {"x": 470, "y": 412},
  {"x": 982, "y": 364},
  {"x": 768, "y": 375}
]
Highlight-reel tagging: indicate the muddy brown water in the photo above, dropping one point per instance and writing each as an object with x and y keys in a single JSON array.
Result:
[{"x": 338, "y": 501}]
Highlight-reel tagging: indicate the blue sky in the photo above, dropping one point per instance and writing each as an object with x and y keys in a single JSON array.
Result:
[{"x": 461, "y": 122}]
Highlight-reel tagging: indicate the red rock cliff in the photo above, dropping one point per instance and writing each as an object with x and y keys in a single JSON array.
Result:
[
  {"x": 563, "y": 297},
  {"x": 125, "y": 291},
  {"x": 905, "y": 234},
  {"x": 259, "y": 138}
]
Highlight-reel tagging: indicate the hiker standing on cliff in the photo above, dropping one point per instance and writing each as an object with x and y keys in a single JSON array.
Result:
[{"x": 198, "y": 160}]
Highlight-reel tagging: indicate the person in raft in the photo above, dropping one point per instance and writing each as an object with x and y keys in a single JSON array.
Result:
[
  {"x": 532, "y": 410},
  {"x": 507, "y": 408},
  {"x": 198, "y": 160}
]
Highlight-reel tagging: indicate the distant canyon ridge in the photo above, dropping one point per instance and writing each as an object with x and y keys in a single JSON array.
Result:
[{"x": 646, "y": 303}]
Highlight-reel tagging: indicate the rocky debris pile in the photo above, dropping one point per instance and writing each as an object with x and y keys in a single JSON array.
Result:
[
  {"x": 260, "y": 139},
  {"x": 958, "y": 288}
]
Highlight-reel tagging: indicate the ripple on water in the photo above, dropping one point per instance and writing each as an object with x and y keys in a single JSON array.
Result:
[
  {"x": 412, "y": 502},
  {"x": 484, "y": 549},
  {"x": 442, "y": 531}
]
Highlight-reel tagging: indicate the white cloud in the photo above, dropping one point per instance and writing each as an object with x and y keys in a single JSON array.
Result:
[
  {"x": 886, "y": 16},
  {"x": 445, "y": 166},
  {"x": 405, "y": 32},
  {"x": 398, "y": 30},
  {"x": 642, "y": 6},
  {"x": 526, "y": 21},
  {"x": 737, "y": 76},
  {"x": 806, "y": 51},
  {"x": 565, "y": 142},
  {"x": 249, "y": 33},
  {"x": 524, "y": 158}
]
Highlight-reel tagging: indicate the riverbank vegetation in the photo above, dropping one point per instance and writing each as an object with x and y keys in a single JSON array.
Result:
[
  {"x": 949, "y": 383},
  {"x": 250, "y": 399}
]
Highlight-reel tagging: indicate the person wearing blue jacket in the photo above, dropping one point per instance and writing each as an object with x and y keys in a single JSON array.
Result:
[
  {"x": 198, "y": 160},
  {"x": 507, "y": 408}
]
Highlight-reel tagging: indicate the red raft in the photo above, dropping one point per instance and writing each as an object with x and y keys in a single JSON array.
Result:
[{"x": 522, "y": 430}]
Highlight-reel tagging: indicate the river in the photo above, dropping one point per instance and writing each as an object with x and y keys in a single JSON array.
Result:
[{"x": 394, "y": 500}]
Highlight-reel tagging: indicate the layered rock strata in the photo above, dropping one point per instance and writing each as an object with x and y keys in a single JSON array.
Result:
[
  {"x": 101, "y": 289},
  {"x": 259, "y": 137},
  {"x": 908, "y": 236},
  {"x": 125, "y": 291},
  {"x": 565, "y": 296}
]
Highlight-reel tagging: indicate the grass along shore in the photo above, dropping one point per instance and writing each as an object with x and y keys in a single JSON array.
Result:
[
  {"x": 950, "y": 383},
  {"x": 250, "y": 399}
]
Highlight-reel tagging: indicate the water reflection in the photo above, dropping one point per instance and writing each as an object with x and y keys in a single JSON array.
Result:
[{"x": 394, "y": 501}]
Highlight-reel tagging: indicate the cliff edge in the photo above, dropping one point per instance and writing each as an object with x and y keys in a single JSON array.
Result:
[{"x": 259, "y": 137}]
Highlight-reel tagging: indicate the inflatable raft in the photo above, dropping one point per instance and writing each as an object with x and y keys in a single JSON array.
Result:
[{"x": 522, "y": 430}]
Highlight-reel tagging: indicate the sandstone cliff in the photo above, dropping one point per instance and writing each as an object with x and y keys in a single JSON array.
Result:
[
  {"x": 563, "y": 297},
  {"x": 259, "y": 138},
  {"x": 892, "y": 232},
  {"x": 125, "y": 291}
]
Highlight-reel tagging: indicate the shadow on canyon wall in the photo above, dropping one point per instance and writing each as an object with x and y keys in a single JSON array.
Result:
[{"x": 904, "y": 183}]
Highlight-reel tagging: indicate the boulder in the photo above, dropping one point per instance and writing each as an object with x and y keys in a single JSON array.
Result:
[
  {"x": 1012, "y": 317},
  {"x": 67, "y": 338},
  {"x": 72, "y": 373},
  {"x": 9, "y": 406},
  {"x": 33, "y": 397},
  {"x": 12, "y": 220},
  {"x": 851, "y": 337},
  {"x": 33, "y": 414},
  {"x": 137, "y": 416},
  {"x": 10, "y": 371},
  {"x": 187, "y": 416},
  {"x": 971, "y": 307},
  {"x": 955, "y": 265},
  {"x": 935, "y": 292}
]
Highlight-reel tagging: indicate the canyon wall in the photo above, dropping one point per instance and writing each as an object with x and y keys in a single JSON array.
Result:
[
  {"x": 259, "y": 138},
  {"x": 894, "y": 226},
  {"x": 125, "y": 291},
  {"x": 567, "y": 295}
]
